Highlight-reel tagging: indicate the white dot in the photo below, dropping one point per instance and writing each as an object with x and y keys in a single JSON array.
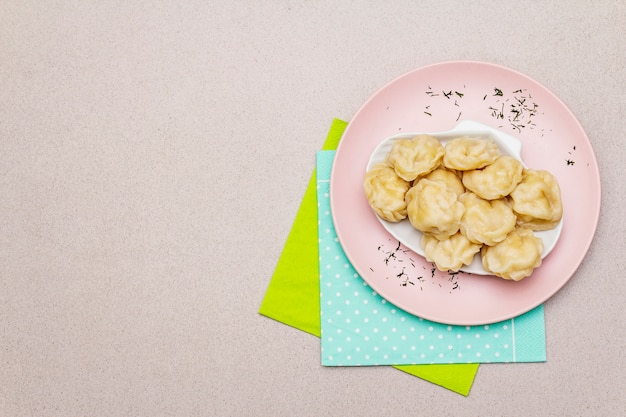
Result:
[
  {"x": 366, "y": 320},
  {"x": 421, "y": 337},
  {"x": 385, "y": 338},
  {"x": 356, "y": 293},
  {"x": 357, "y": 330},
  {"x": 357, "y": 312},
  {"x": 383, "y": 300},
  {"x": 486, "y": 327},
  {"x": 506, "y": 346},
  {"x": 440, "y": 336},
  {"x": 347, "y": 320},
  {"x": 413, "y": 347},
  {"x": 477, "y": 335},
  {"x": 441, "y": 355},
  {"x": 487, "y": 346},
  {"x": 468, "y": 346},
  {"x": 384, "y": 319},
  {"x": 430, "y": 329},
  {"x": 496, "y": 335},
  {"x": 375, "y": 330},
  {"x": 449, "y": 328},
  {"x": 431, "y": 347},
  {"x": 339, "y": 349},
  {"x": 497, "y": 354},
  {"x": 347, "y": 301},
  {"x": 393, "y": 329},
  {"x": 505, "y": 327},
  {"x": 367, "y": 356},
  {"x": 478, "y": 354},
  {"x": 393, "y": 311},
  {"x": 423, "y": 355},
  {"x": 458, "y": 336},
  {"x": 375, "y": 311}
]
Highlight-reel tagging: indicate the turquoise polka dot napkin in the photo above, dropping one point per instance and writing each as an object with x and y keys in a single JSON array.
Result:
[{"x": 360, "y": 328}]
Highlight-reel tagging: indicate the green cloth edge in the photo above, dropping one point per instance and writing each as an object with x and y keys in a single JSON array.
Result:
[{"x": 292, "y": 299}]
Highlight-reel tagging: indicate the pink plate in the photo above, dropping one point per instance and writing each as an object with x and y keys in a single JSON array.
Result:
[{"x": 436, "y": 98}]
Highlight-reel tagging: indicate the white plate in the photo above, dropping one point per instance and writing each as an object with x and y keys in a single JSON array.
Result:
[{"x": 509, "y": 145}]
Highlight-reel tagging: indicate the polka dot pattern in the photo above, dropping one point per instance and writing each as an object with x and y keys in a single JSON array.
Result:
[{"x": 359, "y": 327}]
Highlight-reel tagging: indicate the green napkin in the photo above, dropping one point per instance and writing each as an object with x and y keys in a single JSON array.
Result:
[{"x": 292, "y": 296}]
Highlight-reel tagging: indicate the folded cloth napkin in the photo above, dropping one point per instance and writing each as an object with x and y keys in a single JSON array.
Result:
[
  {"x": 359, "y": 327},
  {"x": 292, "y": 296}
]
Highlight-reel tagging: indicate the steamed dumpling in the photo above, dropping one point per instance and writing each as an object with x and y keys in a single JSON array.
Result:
[
  {"x": 450, "y": 254},
  {"x": 496, "y": 180},
  {"x": 413, "y": 157},
  {"x": 486, "y": 221},
  {"x": 465, "y": 153},
  {"x": 537, "y": 200},
  {"x": 434, "y": 209},
  {"x": 385, "y": 192},
  {"x": 515, "y": 257},
  {"x": 448, "y": 177}
]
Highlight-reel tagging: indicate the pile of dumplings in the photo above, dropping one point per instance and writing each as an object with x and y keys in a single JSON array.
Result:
[{"x": 467, "y": 198}]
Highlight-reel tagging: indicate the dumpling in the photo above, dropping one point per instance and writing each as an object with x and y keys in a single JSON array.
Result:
[
  {"x": 385, "y": 192},
  {"x": 413, "y": 157},
  {"x": 537, "y": 200},
  {"x": 465, "y": 153},
  {"x": 496, "y": 180},
  {"x": 450, "y": 178},
  {"x": 433, "y": 208},
  {"x": 515, "y": 257},
  {"x": 486, "y": 221},
  {"x": 450, "y": 254}
]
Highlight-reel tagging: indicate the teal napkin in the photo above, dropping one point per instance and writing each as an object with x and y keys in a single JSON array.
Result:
[{"x": 359, "y": 327}]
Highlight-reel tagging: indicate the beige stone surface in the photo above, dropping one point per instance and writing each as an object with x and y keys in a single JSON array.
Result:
[{"x": 152, "y": 160}]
